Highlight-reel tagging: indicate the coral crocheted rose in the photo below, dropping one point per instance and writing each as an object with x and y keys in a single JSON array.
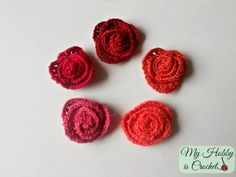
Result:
[
  {"x": 85, "y": 120},
  {"x": 148, "y": 124},
  {"x": 164, "y": 69},
  {"x": 115, "y": 40},
  {"x": 73, "y": 68}
]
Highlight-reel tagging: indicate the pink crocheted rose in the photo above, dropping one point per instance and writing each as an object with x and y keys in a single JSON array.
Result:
[
  {"x": 84, "y": 120},
  {"x": 73, "y": 68}
]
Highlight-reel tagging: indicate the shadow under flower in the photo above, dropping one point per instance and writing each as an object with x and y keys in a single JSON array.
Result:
[
  {"x": 100, "y": 74},
  {"x": 115, "y": 119}
]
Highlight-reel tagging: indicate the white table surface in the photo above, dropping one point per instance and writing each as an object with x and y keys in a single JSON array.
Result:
[{"x": 32, "y": 33}]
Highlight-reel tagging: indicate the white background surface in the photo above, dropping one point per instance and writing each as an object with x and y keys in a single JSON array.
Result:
[{"x": 32, "y": 33}]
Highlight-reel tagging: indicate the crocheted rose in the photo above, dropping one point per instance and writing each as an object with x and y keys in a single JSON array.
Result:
[
  {"x": 164, "y": 69},
  {"x": 85, "y": 120},
  {"x": 73, "y": 68},
  {"x": 148, "y": 124},
  {"x": 115, "y": 40}
]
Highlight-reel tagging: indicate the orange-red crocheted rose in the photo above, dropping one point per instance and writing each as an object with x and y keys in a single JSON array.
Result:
[
  {"x": 115, "y": 40},
  {"x": 148, "y": 124},
  {"x": 164, "y": 69}
]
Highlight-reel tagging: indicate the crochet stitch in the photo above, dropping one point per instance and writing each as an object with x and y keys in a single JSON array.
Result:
[
  {"x": 147, "y": 124},
  {"x": 85, "y": 120},
  {"x": 115, "y": 40},
  {"x": 73, "y": 68},
  {"x": 164, "y": 69}
]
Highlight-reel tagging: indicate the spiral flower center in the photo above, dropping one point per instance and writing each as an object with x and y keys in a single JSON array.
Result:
[
  {"x": 116, "y": 40},
  {"x": 84, "y": 120},
  {"x": 69, "y": 68},
  {"x": 163, "y": 64},
  {"x": 87, "y": 121}
]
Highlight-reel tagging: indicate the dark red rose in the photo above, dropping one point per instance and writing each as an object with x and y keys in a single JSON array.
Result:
[{"x": 115, "y": 40}]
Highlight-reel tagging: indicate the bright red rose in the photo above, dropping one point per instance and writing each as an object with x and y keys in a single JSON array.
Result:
[{"x": 73, "y": 68}]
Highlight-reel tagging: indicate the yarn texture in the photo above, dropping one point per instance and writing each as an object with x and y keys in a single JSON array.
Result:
[
  {"x": 73, "y": 68},
  {"x": 115, "y": 40},
  {"x": 84, "y": 120},
  {"x": 147, "y": 124},
  {"x": 164, "y": 69}
]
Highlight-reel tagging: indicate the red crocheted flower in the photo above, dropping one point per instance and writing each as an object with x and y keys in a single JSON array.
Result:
[
  {"x": 149, "y": 123},
  {"x": 115, "y": 40},
  {"x": 164, "y": 69},
  {"x": 73, "y": 68},
  {"x": 85, "y": 120}
]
